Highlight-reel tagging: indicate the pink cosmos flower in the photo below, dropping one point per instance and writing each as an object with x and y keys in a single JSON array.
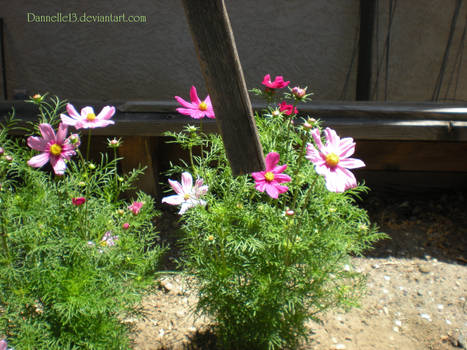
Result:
[
  {"x": 54, "y": 148},
  {"x": 135, "y": 207},
  {"x": 271, "y": 178},
  {"x": 278, "y": 82},
  {"x": 87, "y": 118},
  {"x": 287, "y": 109},
  {"x": 197, "y": 109},
  {"x": 187, "y": 196},
  {"x": 332, "y": 160},
  {"x": 3, "y": 344},
  {"x": 78, "y": 201}
]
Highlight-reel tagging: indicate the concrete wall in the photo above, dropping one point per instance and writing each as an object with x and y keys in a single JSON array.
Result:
[{"x": 309, "y": 42}]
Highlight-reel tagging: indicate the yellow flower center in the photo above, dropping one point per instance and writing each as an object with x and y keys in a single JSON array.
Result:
[
  {"x": 203, "y": 106},
  {"x": 91, "y": 116},
  {"x": 55, "y": 149},
  {"x": 186, "y": 196},
  {"x": 269, "y": 176},
  {"x": 332, "y": 160}
]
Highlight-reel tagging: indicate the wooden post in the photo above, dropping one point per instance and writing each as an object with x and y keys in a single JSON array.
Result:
[{"x": 217, "y": 54}]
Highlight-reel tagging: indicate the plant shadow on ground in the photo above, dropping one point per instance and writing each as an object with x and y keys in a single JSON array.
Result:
[{"x": 420, "y": 225}]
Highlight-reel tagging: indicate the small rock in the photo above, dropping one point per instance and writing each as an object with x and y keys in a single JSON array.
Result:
[
  {"x": 387, "y": 278},
  {"x": 424, "y": 268},
  {"x": 462, "y": 341},
  {"x": 395, "y": 329},
  {"x": 440, "y": 307},
  {"x": 338, "y": 347},
  {"x": 166, "y": 286},
  {"x": 426, "y": 317},
  {"x": 375, "y": 266},
  {"x": 448, "y": 322},
  {"x": 419, "y": 293},
  {"x": 398, "y": 323},
  {"x": 385, "y": 310}
]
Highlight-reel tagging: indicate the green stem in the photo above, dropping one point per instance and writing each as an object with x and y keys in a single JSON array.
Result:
[
  {"x": 299, "y": 160},
  {"x": 89, "y": 144},
  {"x": 116, "y": 175},
  {"x": 201, "y": 135}
]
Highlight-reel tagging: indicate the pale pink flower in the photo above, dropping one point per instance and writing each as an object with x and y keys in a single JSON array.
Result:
[
  {"x": 135, "y": 207},
  {"x": 109, "y": 240},
  {"x": 278, "y": 82},
  {"x": 87, "y": 118},
  {"x": 187, "y": 195},
  {"x": 197, "y": 109},
  {"x": 54, "y": 148},
  {"x": 270, "y": 179},
  {"x": 332, "y": 160},
  {"x": 3, "y": 344}
]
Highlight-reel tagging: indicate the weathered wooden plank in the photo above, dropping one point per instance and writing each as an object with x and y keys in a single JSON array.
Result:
[
  {"x": 140, "y": 152},
  {"x": 371, "y": 121},
  {"x": 403, "y": 182},
  {"x": 413, "y": 155},
  {"x": 217, "y": 54}
]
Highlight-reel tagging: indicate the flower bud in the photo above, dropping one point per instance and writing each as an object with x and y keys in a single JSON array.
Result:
[
  {"x": 2, "y": 150},
  {"x": 92, "y": 166},
  {"x": 114, "y": 143},
  {"x": 120, "y": 212},
  {"x": 8, "y": 158},
  {"x": 298, "y": 92},
  {"x": 126, "y": 226}
]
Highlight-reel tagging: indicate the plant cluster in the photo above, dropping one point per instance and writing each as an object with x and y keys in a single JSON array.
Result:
[
  {"x": 270, "y": 250},
  {"x": 75, "y": 257}
]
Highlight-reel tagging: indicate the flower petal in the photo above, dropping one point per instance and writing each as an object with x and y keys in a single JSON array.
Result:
[
  {"x": 86, "y": 110},
  {"x": 61, "y": 133},
  {"x": 176, "y": 186},
  {"x": 173, "y": 200},
  {"x": 271, "y": 160},
  {"x": 39, "y": 144},
  {"x": 185, "y": 103},
  {"x": 39, "y": 160},
  {"x": 351, "y": 163},
  {"x": 47, "y": 132},
  {"x": 194, "y": 96},
  {"x": 187, "y": 182},
  {"x": 332, "y": 140},
  {"x": 72, "y": 111},
  {"x": 106, "y": 113},
  {"x": 272, "y": 191},
  {"x": 280, "y": 178},
  {"x": 58, "y": 164},
  {"x": 258, "y": 176},
  {"x": 346, "y": 147},
  {"x": 67, "y": 120}
]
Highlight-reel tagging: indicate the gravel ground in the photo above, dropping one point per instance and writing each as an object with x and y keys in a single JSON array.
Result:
[{"x": 416, "y": 288}]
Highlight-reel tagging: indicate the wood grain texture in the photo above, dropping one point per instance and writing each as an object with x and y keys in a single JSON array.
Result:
[{"x": 217, "y": 54}]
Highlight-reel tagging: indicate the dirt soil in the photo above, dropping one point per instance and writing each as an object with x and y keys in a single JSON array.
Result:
[{"x": 416, "y": 289}]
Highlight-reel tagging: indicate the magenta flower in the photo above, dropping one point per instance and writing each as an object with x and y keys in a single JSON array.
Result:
[
  {"x": 87, "y": 118},
  {"x": 270, "y": 179},
  {"x": 126, "y": 226},
  {"x": 287, "y": 109},
  {"x": 332, "y": 160},
  {"x": 54, "y": 148},
  {"x": 197, "y": 109},
  {"x": 135, "y": 207},
  {"x": 187, "y": 196},
  {"x": 78, "y": 201},
  {"x": 278, "y": 82}
]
